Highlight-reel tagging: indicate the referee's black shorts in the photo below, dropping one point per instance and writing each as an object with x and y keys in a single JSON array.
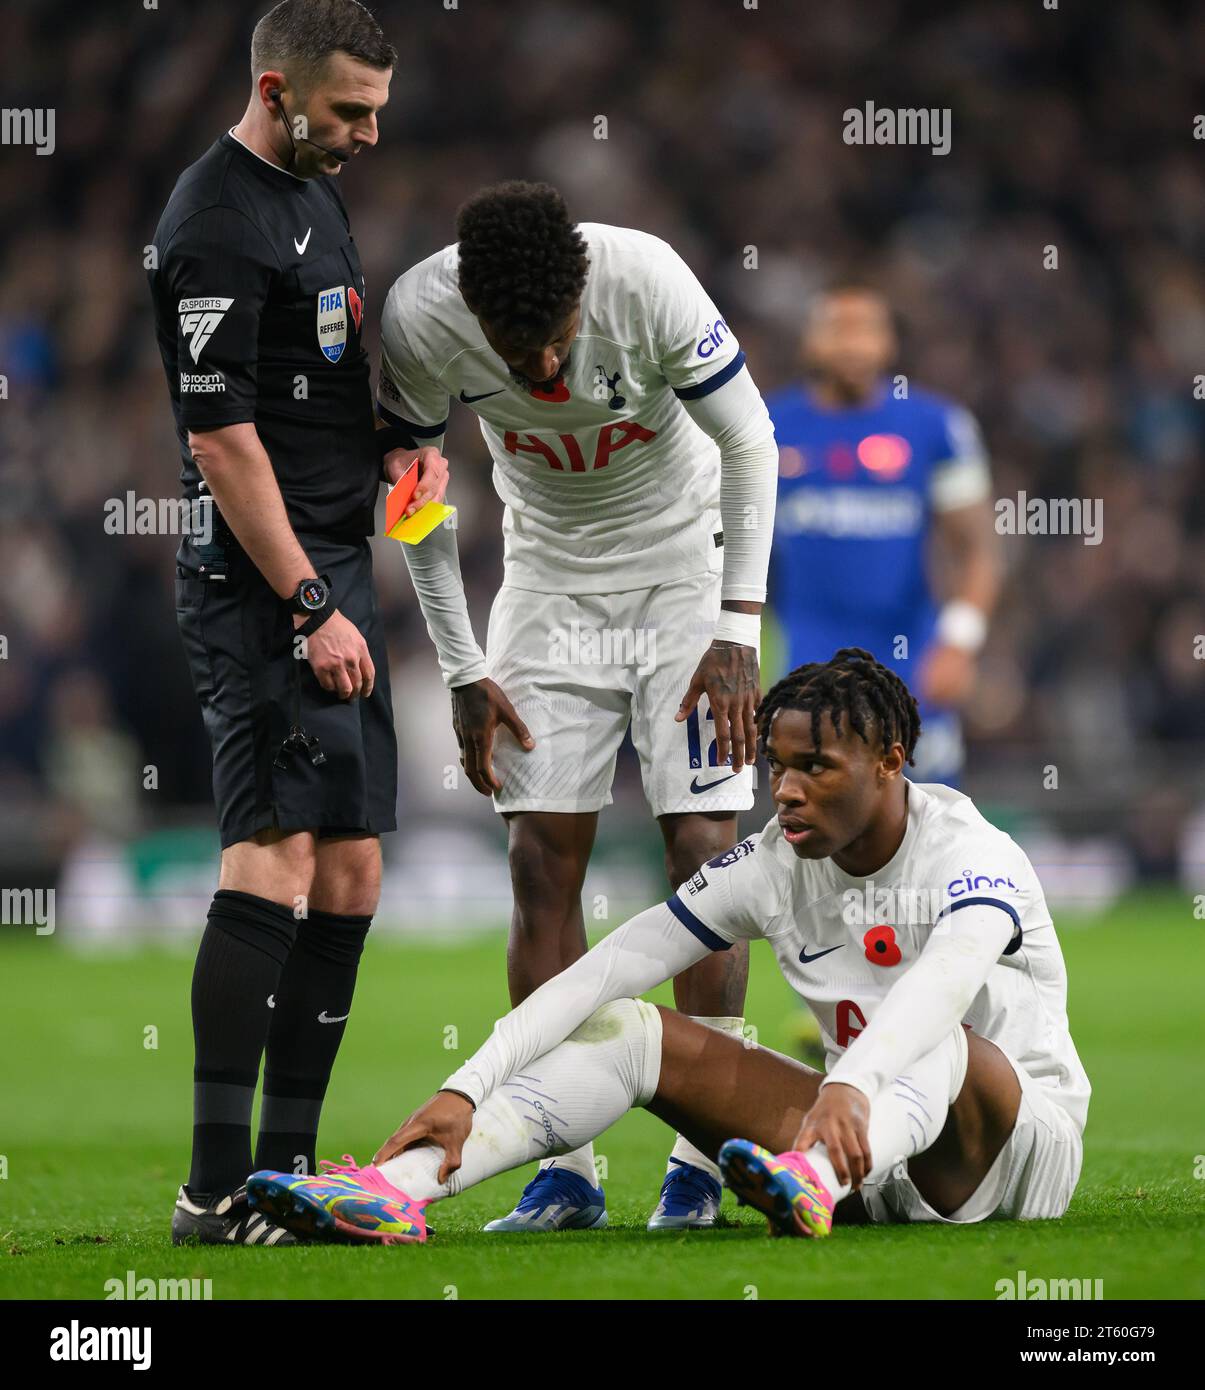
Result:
[{"x": 239, "y": 640}]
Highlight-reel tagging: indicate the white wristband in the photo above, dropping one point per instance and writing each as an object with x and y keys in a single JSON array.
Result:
[
  {"x": 742, "y": 628},
  {"x": 960, "y": 624}
]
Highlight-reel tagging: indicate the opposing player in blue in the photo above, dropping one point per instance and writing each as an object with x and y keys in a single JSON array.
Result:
[{"x": 884, "y": 535}]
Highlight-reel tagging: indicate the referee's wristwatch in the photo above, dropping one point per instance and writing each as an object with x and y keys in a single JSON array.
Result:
[{"x": 313, "y": 599}]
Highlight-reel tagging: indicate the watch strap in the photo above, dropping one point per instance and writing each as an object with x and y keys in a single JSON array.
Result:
[{"x": 315, "y": 620}]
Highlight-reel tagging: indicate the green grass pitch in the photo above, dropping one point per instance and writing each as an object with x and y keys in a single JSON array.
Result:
[{"x": 94, "y": 1127}]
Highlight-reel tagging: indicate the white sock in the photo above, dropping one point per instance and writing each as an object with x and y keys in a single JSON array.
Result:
[
  {"x": 579, "y": 1161},
  {"x": 557, "y": 1104},
  {"x": 907, "y": 1115},
  {"x": 683, "y": 1148}
]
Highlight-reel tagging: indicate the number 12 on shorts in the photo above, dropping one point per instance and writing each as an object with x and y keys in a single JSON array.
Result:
[{"x": 694, "y": 742}]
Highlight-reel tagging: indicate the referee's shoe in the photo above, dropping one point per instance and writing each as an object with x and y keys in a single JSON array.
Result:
[{"x": 224, "y": 1220}]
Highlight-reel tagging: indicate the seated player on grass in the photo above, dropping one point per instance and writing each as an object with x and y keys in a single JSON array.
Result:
[{"x": 914, "y": 930}]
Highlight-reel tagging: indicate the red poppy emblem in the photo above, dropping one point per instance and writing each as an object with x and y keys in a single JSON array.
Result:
[
  {"x": 555, "y": 394},
  {"x": 356, "y": 304},
  {"x": 880, "y": 946}
]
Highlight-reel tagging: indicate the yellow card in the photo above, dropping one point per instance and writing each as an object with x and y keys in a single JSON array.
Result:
[{"x": 412, "y": 529}]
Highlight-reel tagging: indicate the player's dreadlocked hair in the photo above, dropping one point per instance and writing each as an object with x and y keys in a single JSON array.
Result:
[
  {"x": 853, "y": 684},
  {"x": 522, "y": 261}
]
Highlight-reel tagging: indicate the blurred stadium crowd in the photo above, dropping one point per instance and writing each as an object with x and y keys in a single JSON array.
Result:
[{"x": 1072, "y": 128}]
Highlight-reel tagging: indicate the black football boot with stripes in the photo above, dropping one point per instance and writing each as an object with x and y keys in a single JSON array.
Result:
[{"x": 227, "y": 1220}]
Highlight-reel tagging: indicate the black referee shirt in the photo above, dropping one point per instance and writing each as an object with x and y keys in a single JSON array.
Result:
[{"x": 259, "y": 306}]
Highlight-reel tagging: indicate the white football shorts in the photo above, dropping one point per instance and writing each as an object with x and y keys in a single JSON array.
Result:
[
  {"x": 579, "y": 668},
  {"x": 1032, "y": 1179}
]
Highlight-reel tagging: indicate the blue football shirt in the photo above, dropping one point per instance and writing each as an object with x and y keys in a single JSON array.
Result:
[{"x": 859, "y": 487}]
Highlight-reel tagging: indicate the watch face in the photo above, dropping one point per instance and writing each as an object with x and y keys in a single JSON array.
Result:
[{"x": 312, "y": 594}]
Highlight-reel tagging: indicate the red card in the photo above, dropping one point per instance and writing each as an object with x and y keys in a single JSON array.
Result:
[{"x": 399, "y": 495}]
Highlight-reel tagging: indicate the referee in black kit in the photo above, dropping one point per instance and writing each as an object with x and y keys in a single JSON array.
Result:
[{"x": 259, "y": 307}]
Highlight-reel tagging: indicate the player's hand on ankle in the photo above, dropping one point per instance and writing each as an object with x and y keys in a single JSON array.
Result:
[
  {"x": 728, "y": 675},
  {"x": 339, "y": 656},
  {"x": 840, "y": 1120},
  {"x": 477, "y": 710},
  {"x": 445, "y": 1120}
]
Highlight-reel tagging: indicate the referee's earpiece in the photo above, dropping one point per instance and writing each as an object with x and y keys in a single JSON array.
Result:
[{"x": 274, "y": 96}]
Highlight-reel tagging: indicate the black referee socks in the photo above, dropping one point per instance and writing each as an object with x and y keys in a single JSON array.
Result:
[
  {"x": 245, "y": 946},
  {"x": 313, "y": 1001}
]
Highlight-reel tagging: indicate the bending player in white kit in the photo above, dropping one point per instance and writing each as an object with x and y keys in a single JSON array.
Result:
[
  {"x": 638, "y": 467},
  {"x": 916, "y": 932}
]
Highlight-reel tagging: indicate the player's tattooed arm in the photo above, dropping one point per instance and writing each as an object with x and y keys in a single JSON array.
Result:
[
  {"x": 477, "y": 710},
  {"x": 729, "y": 676},
  {"x": 446, "y": 1121}
]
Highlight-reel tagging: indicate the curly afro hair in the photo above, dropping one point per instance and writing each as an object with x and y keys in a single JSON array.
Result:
[
  {"x": 854, "y": 685},
  {"x": 522, "y": 261}
]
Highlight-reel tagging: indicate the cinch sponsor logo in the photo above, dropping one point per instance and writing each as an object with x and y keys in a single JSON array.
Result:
[
  {"x": 76, "y": 1343},
  {"x": 970, "y": 883},
  {"x": 195, "y": 383},
  {"x": 730, "y": 856},
  {"x": 713, "y": 335}
]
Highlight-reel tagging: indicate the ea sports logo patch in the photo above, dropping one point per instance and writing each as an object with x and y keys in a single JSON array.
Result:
[
  {"x": 198, "y": 320},
  {"x": 332, "y": 322}
]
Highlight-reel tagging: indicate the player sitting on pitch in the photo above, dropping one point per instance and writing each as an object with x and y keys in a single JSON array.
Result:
[{"x": 915, "y": 931}]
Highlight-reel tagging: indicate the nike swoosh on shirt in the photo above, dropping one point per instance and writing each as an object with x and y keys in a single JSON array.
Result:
[
  {"x": 805, "y": 959},
  {"x": 301, "y": 245},
  {"x": 324, "y": 1017},
  {"x": 468, "y": 400},
  {"x": 707, "y": 786}
]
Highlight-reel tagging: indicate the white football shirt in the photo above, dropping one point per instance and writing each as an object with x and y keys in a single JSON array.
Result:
[
  {"x": 843, "y": 942},
  {"x": 608, "y": 483}
]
